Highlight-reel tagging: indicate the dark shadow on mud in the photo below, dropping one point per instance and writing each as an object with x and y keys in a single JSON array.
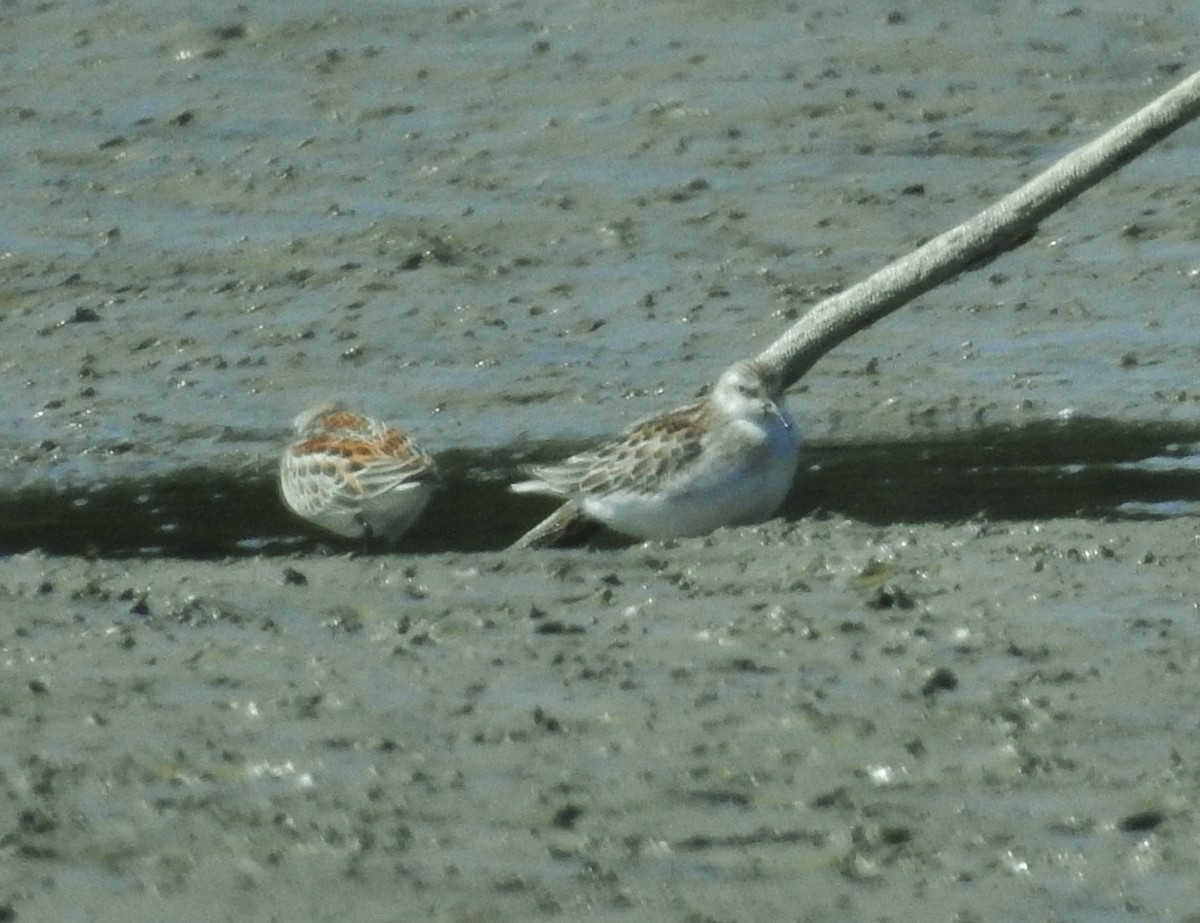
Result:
[{"x": 1089, "y": 468}]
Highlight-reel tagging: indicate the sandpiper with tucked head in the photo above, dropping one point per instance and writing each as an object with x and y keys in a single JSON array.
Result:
[{"x": 354, "y": 476}]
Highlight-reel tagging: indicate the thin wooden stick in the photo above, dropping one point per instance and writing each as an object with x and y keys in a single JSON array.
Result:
[
  {"x": 565, "y": 526},
  {"x": 1002, "y": 226}
]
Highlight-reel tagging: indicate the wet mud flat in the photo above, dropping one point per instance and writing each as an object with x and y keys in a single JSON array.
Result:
[
  {"x": 799, "y": 721},
  {"x": 512, "y": 227}
]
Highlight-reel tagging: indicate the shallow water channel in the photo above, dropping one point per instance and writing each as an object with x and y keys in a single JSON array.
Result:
[{"x": 1094, "y": 469}]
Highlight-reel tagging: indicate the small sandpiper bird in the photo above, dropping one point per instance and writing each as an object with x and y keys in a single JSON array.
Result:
[
  {"x": 354, "y": 476},
  {"x": 727, "y": 459}
]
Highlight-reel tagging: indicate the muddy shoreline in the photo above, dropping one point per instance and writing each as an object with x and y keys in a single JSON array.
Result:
[
  {"x": 973, "y": 720},
  {"x": 520, "y": 226}
]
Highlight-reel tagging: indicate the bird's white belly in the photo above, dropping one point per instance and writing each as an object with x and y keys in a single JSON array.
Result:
[{"x": 746, "y": 494}]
